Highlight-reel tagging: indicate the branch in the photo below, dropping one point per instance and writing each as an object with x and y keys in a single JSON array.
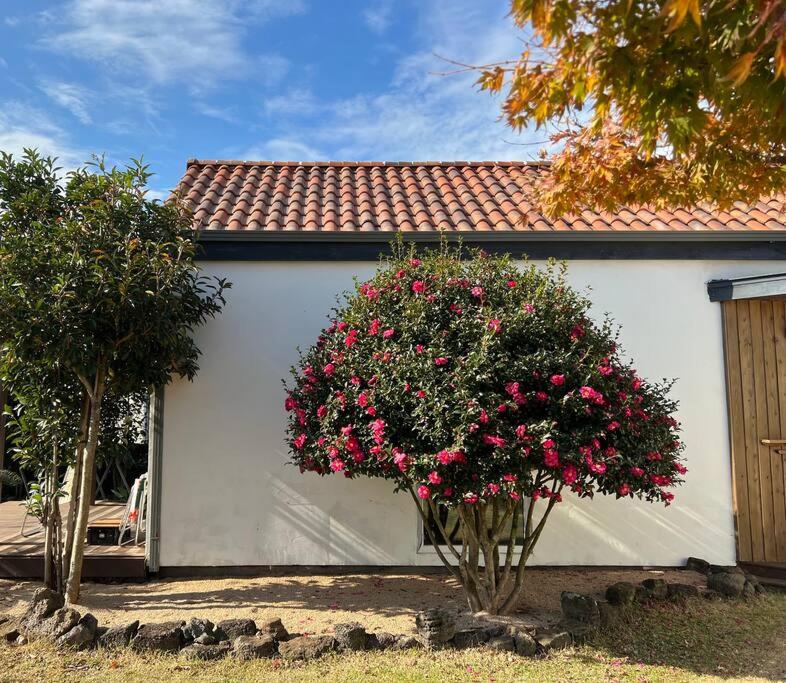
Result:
[{"x": 426, "y": 526}]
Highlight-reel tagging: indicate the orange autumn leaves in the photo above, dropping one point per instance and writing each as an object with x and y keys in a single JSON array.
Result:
[{"x": 669, "y": 103}]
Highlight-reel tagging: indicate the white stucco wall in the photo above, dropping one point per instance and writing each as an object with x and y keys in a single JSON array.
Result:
[{"x": 229, "y": 498}]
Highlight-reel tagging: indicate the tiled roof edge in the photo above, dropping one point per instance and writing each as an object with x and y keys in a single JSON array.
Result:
[{"x": 240, "y": 162}]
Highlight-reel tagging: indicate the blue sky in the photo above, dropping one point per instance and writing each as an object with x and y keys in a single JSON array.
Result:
[{"x": 252, "y": 79}]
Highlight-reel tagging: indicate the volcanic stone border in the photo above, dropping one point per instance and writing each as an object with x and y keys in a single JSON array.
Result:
[{"x": 47, "y": 617}]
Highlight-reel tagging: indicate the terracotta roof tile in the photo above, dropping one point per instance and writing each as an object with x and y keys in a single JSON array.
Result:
[{"x": 458, "y": 196}]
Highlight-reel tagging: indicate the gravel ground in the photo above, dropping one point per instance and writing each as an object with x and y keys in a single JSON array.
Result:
[{"x": 314, "y": 604}]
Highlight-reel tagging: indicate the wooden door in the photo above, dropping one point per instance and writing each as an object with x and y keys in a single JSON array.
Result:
[{"x": 755, "y": 340}]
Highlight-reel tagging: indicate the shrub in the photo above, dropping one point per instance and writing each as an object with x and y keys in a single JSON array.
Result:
[{"x": 484, "y": 388}]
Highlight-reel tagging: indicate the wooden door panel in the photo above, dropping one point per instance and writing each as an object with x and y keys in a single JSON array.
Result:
[{"x": 755, "y": 341}]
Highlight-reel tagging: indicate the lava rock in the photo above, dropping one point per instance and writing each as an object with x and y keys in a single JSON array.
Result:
[
  {"x": 10, "y": 630},
  {"x": 197, "y": 627},
  {"x": 503, "y": 643},
  {"x": 730, "y": 584},
  {"x": 696, "y": 564},
  {"x": 207, "y": 639},
  {"x": 621, "y": 593},
  {"x": 206, "y": 652},
  {"x": 470, "y": 637},
  {"x": 55, "y": 625},
  {"x": 525, "y": 644},
  {"x": 436, "y": 626},
  {"x": 577, "y": 607},
  {"x": 726, "y": 569},
  {"x": 657, "y": 589},
  {"x": 82, "y": 636},
  {"x": 44, "y": 604},
  {"x": 166, "y": 637},
  {"x": 406, "y": 643},
  {"x": 554, "y": 640},
  {"x": 274, "y": 628},
  {"x": 681, "y": 591},
  {"x": 748, "y": 591},
  {"x": 230, "y": 629},
  {"x": 307, "y": 647},
  {"x": 254, "y": 647},
  {"x": 351, "y": 636},
  {"x": 579, "y": 631},
  {"x": 118, "y": 636},
  {"x": 380, "y": 641}
]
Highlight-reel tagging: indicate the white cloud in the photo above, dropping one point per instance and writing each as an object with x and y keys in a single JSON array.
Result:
[
  {"x": 72, "y": 97},
  {"x": 421, "y": 114},
  {"x": 196, "y": 42},
  {"x": 23, "y": 127},
  {"x": 378, "y": 15},
  {"x": 299, "y": 101}
]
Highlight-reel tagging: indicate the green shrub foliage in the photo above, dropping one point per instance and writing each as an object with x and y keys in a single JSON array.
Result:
[{"x": 473, "y": 379}]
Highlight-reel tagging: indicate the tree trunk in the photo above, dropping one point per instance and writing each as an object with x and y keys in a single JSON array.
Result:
[
  {"x": 489, "y": 584},
  {"x": 85, "y": 489},
  {"x": 67, "y": 534}
]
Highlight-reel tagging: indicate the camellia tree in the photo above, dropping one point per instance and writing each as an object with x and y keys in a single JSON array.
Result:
[
  {"x": 484, "y": 390},
  {"x": 665, "y": 102},
  {"x": 97, "y": 284}
]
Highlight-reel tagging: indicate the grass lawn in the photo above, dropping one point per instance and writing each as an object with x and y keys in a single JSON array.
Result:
[{"x": 700, "y": 641}]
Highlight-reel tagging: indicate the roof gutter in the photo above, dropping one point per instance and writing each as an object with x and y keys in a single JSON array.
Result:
[{"x": 300, "y": 245}]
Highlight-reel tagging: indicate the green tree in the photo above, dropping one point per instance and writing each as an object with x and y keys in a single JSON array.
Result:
[
  {"x": 665, "y": 102},
  {"x": 99, "y": 282},
  {"x": 484, "y": 391}
]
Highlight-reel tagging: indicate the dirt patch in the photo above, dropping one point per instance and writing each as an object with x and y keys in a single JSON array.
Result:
[{"x": 314, "y": 604}]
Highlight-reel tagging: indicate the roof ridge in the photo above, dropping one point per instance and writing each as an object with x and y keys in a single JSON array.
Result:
[{"x": 326, "y": 163}]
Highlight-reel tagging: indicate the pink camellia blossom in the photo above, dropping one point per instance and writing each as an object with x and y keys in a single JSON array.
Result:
[
  {"x": 420, "y": 348},
  {"x": 512, "y": 388},
  {"x": 387, "y": 334},
  {"x": 511, "y": 283},
  {"x": 401, "y": 460},
  {"x": 342, "y": 326},
  {"x": 434, "y": 478},
  {"x": 337, "y": 464},
  {"x": 371, "y": 410},
  {"x": 329, "y": 369},
  {"x": 515, "y": 495},
  {"x": 577, "y": 332},
  {"x": 521, "y": 431},
  {"x": 591, "y": 395},
  {"x": 509, "y": 477},
  {"x": 605, "y": 370},
  {"x": 636, "y": 472},
  {"x": 551, "y": 457},
  {"x": 346, "y": 430},
  {"x": 484, "y": 416},
  {"x": 369, "y": 291},
  {"x": 351, "y": 338},
  {"x": 444, "y": 457},
  {"x": 424, "y": 492},
  {"x": 373, "y": 327},
  {"x": 613, "y": 425},
  {"x": 623, "y": 489},
  {"x": 290, "y": 404},
  {"x": 299, "y": 441},
  {"x": 660, "y": 479},
  {"x": 358, "y": 456},
  {"x": 333, "y": 452},
  {"x": 447, "y": 492},
  {"x": 529, "y": 308},
  {"x": 470, "y": 498},
  {"x": 401, "y": 273},
  {"x": 494, "y": 440},
  {"x": 667, "y": 497},
  {"x": 557, "y": 380},
  {"x": 321, "y": 412},
  {"x": 502, "y": 407},
  {"x": 421, "y": 394},
  {"x": 418, "y": 286},
  {"x": 362, "y": 399},
  {"x": 569, "y": 474},
  {"x": 680, "y": 468},
  {"x": 493, "y": 489},
  {"x": 414, "y": 262},
  {"x": 441, "y": 360},
  {"x": 495, "y": 325},
  {"x": 476, "y": 291},
  {"x": 596, "y": 467},
  {"x": 355, "y": 380},
  {"x": 542, "y": 396}
]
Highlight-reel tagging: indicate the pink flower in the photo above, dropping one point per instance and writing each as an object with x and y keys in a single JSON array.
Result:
[
  {"x": 529, "y": 308},
  {"x": 493, "y": 489},
  {"x": 358, "y": 456},
  {"x": 558, "y": 380},
  {"x": 362, "y": 400},
  {"x": 605, "y": 370},
  {"x": 514, "y": 495},
  {"x": 434, "y": 478},
  {"x": 613, "y": 425},
  {"x": 421, "y": 394},
  {"x": 420, "y": 348},
  {"x": 418, "y": 286},
  {"x": 321, "y": 412},
  {"x": 636, "y": 472},
  {"x": 493, "y": 440},
  {"x": 521, "y": 431},
  {"x": 624, "y": 489},
  {"x": 401, "y": 273},
  {"x": 329, "y": 369},
  {"x": 290, "y": 404},
  {"x": 652, "y": 455},
  {"x": 414, "y": 262},
  {"x": 512, "y": 388},
  {"x": 470, "y": 498},
  {"x": 444, "y": 457},
  {"x": 387, "y": 334},
  {"x": 337, "y": 464},
  {"x": 542, "y": 396},
  {"x": 351, "y": 338},
  {"x": 401, "y": 460},
  {"x": 447, "y": 492},
  {"x": 509, "y": 478},
  {"x": 591, "y": 395},
  {"x": 373, "y": 328},
  {"x": 441, "y": 360},
  {"x": 511, "y": 283},
  {"x": 495, "y": 325},
  {"x": 577, "y": 332},
  {"x": 667, "y": 497},
  {"x": 299, "y": 441},
  {"x": 551, "y": 457},
  {"x": 424, "y": 492},
  {"x": 569, "y": 474},
  {"x": 476, "y": 292},
  {"x": 484, "y": 416},
  {"x": 680, "y": 468},
  {"x": 371, "y": 410}
]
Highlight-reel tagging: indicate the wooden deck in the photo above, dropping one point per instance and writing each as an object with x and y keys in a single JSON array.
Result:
[{"x": 21, "y": 555}]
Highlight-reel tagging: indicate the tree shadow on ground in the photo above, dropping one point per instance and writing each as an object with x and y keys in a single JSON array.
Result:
[{"x": 727, "y": 638}]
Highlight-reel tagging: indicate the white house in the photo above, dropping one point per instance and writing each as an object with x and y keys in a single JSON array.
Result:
[{"x": 291, "y": 236}]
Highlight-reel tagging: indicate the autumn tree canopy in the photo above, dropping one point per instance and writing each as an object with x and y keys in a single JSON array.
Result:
[{"x": 666, "y": 102}]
